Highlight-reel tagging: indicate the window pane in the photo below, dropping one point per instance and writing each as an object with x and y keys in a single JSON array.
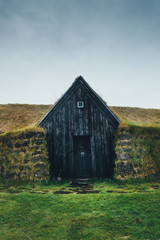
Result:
[{"x": 80, "y": 104}]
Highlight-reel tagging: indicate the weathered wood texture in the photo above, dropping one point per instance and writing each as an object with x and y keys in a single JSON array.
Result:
[{"x": 66, "y": 120}]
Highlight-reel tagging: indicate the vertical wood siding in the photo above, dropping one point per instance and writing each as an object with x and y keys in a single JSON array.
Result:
[{"x": 69, "y": 121}]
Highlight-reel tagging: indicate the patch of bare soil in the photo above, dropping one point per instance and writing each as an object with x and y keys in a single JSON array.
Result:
[{"x": 62, "y": 192}]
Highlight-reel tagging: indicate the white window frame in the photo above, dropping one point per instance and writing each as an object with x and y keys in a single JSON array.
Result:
[{"x": 80, "y": 104}]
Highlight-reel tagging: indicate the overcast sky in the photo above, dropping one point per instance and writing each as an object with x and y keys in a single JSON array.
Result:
[{"x": 113, "y": 44}]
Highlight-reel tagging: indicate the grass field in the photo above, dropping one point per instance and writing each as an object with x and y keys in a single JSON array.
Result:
[{"x": 121, "y": 210}]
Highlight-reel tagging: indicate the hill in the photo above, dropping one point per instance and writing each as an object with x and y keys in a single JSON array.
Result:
[
  {"x": 17, "y": 116},
  {"x": 138, "y": 116}
]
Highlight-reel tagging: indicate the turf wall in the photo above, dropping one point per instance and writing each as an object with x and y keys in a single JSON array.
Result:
[
  {"x": 23, "y": 155},
  {"x": 137, "y": 151}
]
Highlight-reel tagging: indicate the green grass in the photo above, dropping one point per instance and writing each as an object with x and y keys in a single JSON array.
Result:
[{"x": 122, "y": 210}]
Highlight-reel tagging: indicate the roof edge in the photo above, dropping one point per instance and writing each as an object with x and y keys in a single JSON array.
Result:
[
  {"x": 59, "y": 100},
  {"x": 82, "y": 80}
]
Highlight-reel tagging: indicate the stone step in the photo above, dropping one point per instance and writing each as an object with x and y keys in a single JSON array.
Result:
[{"x": 82, "y": 182}]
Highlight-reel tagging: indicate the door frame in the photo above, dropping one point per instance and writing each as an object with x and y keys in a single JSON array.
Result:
[{"x": 90, "y": 157}]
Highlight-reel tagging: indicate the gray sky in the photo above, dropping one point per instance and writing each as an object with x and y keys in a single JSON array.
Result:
[{"x": 113, "y": 44}]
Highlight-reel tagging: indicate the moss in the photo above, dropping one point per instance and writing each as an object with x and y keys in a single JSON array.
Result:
[
  {"x": 142, "y": 145},
  {"x": 17, "y": 151}
]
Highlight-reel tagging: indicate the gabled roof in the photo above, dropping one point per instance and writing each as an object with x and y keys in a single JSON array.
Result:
[{"x": 78, "y": 80}]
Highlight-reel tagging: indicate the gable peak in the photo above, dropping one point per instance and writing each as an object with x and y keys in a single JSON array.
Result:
[{"x": 79, "y": 79}]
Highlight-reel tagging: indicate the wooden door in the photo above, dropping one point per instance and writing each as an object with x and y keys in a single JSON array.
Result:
[{"x": 82, "y": 157}]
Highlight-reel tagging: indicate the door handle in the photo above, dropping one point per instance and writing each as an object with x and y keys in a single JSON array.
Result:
[{"x": 82, "y": 154}]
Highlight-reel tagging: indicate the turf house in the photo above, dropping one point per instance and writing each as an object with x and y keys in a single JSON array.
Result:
[{"x": 79, "y": 129}]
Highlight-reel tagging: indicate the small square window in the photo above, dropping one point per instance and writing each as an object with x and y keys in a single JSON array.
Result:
[{"x": 80, "y": 104}]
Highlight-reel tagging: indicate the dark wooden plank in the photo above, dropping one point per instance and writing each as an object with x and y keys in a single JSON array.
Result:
[
  {"x": 105, "y": 129},
  {"x": 71, "y": 131},
  {"x": 93, "y": 144},
  {"x": 102, "y": 146},
  {"x": 63, "y": 120},
  {"x": 74, "y": 114},
  {"x": 67, "y": 117},
  {"x": 99, "y": 143},
  {"x": 96, "y": 141}
]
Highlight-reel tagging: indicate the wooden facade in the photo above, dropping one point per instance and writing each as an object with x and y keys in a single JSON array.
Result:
[{"x": 79, "y": 132}]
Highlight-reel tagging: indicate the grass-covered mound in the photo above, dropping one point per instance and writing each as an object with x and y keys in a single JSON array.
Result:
[
  {"x": 16, "y": 116},
  {"x": 23, "y": 155},
  {"x": 121, "y": 210},
  {"x": 138, "y": 116}
]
